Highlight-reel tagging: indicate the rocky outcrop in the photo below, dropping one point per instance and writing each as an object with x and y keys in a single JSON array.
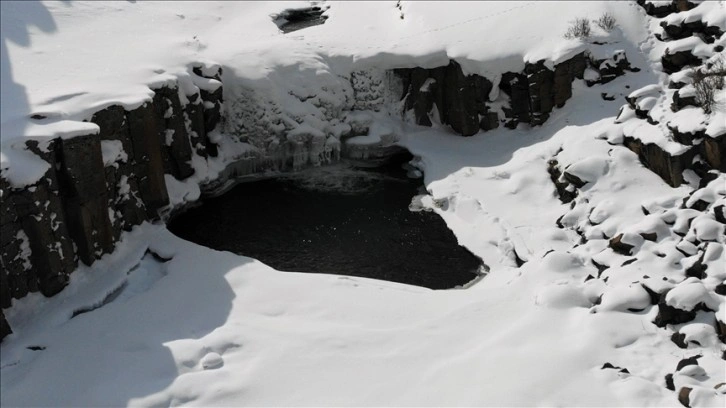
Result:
[
  {"x": 699, "y": 150},
  {"x": 98, "y": 185},
  {"x": 462, "y": 101},
  {"x": 173, "y": 135},
  {"x": 713, "y": 151},
  {"x": 676, "y": 61},
  {"x": 662, "y": 9},
  {"x": 669, "y": 167}
]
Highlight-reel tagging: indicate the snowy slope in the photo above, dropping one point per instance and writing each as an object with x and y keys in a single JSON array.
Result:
[{"x": 208, "y": 328}]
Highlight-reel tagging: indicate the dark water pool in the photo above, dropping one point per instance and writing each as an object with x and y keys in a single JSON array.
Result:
[{"x": 341, "y": 219}]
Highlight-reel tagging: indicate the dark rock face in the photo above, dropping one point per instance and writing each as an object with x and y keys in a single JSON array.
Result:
[
  {"x": 4, "y": 326},
  {"x": 686, "y": 138},
  {"x": 212, "y": 99},
  {"x": 121, "y": 184},
  {"x": 79, "y": 208},
  {"x": 194, "y": 118},
  {"x": 619, "y": 246},
  {"x": 713, "y": 150},
  {"x": 674, "y": 62},
  {"x": 661, "y": 10},
  {"x": 148, "y": 163},
  {"x": 671, "y": 315},
  {"x": 84, "y": 195},
  {"x": 688, "y": 361},
  {"x": 565, "y": 73},
  {"x": 680, "y": 102},
  {"x": 721, "y": 330},
  {"x": 516, "y": 86},
  {"x": 684, "y": 396},
  {"x": 564, "y": 192},
  {"x": 459, "y": 99},
  {"x": 688, "y": 29},
  {"x": 679, "y": 339},
  {"x": 296, "y": 19},
  {"x": 670, "y": 168},
  {"x": 610, "y": 68},
  {"x": 177, "y": 151},
  {"x": 37, "y": 253}
]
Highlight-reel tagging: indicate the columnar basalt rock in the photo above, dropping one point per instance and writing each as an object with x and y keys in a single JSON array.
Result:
[
  {"x": 460, "y": 99},
  {"x": 669, "y": 167},
  {"x": 122, "y": 188},
  {"x": 194, "y": 120},
  {"x": 84, "y": 196},
  {"x": 98, "y": 185},
  {"x": 540, "y": 81},
  {"x": 148, "y": 163},
  {"x": 209, "y": 81},
  {"x": 37, "y": 253},
  {"x": 177, "y": 151},
  {"x": 713, "y": 151},
  {"x": 565, "y": 73},
  {"x": 516, "y": 86}
]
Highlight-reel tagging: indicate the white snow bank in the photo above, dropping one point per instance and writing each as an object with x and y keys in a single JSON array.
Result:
[{"x": 690, "y": 293}]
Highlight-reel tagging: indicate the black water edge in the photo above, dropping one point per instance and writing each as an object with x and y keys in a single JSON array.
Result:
[{"x": 344, "y": 219}]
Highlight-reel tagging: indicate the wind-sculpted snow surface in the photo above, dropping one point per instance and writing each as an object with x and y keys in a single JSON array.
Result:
[{"x": 606, "y": 284}]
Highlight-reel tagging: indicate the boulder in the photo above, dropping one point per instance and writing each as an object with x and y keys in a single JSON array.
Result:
[
  {"x": 684, "y": 396},
  {"x": 617, "y": 245},
  {"x": 670, "y": 168},
  {"x": 459, "y": 101},
  {"x": 674, "y": 62},
  {"x": 680, "y": 101},
  {"x": 613, "y": 67}
]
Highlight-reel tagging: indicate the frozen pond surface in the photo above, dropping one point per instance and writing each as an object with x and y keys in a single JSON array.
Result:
[{"x": 340, "y": 219}]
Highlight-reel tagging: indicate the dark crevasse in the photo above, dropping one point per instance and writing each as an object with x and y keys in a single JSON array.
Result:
[{"x": 338, "y": 219}]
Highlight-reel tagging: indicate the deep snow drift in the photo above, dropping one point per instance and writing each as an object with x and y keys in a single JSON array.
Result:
[{"x": 162, "y": 321}]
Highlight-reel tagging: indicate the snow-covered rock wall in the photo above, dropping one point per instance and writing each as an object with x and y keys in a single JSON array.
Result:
[
  {"x": 117, "y": 176},
  {"x": 666, "y": 125},
  {"x": 102, "y": 183}
]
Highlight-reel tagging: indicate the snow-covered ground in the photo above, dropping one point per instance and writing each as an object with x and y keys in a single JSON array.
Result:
[{"x": 194, "y": 326}]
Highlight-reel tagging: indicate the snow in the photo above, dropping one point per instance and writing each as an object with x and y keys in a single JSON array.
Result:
[
  {"x": 710, "y": 12},
  {"x": 112, "y": 152},
  {"x": 690, "y": 293},
  {"x": 211, "y": 328},
  {"x": 689, "y": 120},
  {"x": 589, "y": 169}
]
